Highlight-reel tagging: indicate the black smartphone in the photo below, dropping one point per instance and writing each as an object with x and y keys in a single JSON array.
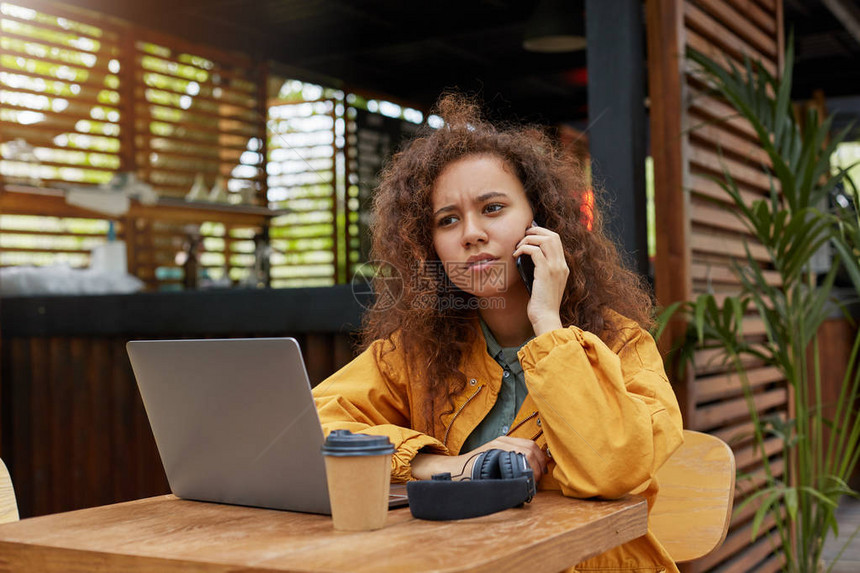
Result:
[{"x": 526, "y": 267}]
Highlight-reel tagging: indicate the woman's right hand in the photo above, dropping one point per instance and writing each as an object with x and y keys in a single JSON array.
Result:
[{"x": 460, "y": 467}]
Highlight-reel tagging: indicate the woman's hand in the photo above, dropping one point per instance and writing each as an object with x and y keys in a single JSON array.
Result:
[
  {"x": 551, "y": 272},
  {"x": 460, "y": 467}
]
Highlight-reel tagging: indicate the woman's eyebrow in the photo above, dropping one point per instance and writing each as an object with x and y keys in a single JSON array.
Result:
[
  {"x": 488, "y": 196},
  {"x": 478, "y": 199}
]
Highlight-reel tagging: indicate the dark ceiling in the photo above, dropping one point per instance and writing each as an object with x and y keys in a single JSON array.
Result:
[
  {"x": 412, "y": 50},
  {"x": 827, "y": 54}
]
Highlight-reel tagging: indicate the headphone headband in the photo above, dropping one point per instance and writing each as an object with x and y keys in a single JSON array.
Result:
[{"x": 500, "y": 480}]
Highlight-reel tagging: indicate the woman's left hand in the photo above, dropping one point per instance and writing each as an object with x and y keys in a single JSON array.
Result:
[{"x": 551, "y": 272}]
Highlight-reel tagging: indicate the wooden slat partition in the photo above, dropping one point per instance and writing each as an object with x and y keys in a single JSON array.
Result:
[{"x": 694, "y": 137}]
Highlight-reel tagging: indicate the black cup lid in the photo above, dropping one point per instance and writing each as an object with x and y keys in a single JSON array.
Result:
[{"x": 345, "y": 443}]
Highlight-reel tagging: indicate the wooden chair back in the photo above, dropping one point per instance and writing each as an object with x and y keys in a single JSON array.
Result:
[
  {"x": 692, "y": 511},
  {"x": 8, "y": 504}
]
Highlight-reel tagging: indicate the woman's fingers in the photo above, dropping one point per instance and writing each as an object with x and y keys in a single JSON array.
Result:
[
  {"x": 550, "y": 277},
  {"x": 536, "y": 457},
  {"x": 546, "y": 250},
  {"x": 548, "y": 245}
]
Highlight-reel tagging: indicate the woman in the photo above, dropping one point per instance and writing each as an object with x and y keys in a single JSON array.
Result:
[{"x": 460, "y": 357}]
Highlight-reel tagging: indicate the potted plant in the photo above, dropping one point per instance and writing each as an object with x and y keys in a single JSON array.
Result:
[{"x": 792, "y": 224}]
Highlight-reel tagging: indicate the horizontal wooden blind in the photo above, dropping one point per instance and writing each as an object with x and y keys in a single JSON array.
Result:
[
  {"x": 304, "y": 153},
  {"x": 372, "y": 139},
  {"x": 59, "y": 92},
  {"x": 83, "y": 96},
  {"x": 199, "y": 120},
  {"x": 61, "y": 121},
  {"x": 195, "y": 115},
  {"x": 30, "y": 239},
  {"x": 91, "y": 96}
]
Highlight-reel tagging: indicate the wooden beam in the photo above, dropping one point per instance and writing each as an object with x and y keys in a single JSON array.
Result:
[{"x": 616, "y": 118}]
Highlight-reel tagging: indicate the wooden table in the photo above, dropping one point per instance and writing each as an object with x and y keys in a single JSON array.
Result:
[{"x": 167, "y": 534}]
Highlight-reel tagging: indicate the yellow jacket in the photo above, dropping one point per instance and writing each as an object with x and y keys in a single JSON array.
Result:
[{"x": 607, "y": 417}]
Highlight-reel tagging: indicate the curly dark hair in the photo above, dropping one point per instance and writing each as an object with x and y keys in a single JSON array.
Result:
[{"x": 434, "y": 341}]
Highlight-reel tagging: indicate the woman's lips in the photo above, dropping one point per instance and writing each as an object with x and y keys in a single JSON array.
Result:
[{"x": 479, "y": 264}]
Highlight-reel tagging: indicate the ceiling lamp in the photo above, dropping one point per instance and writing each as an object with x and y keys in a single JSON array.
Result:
[{"x": 556, "y": 26}]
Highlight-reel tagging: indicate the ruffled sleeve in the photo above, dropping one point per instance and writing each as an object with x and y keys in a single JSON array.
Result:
[
  {"x": 610, "y": 417},
  {"x": 370, "y": 396}
]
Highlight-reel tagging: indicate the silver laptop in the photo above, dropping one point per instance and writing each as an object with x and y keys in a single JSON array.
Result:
[{"x": 235, "y": 422}]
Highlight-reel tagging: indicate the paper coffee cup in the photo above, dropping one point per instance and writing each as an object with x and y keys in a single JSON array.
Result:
[{"x": 358, "y": 470}]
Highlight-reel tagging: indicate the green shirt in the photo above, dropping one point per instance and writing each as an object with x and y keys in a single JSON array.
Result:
[{"x": 511, "y": 395}]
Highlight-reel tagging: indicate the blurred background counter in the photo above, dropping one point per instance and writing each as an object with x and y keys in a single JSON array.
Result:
[{"x": 72, "y": 427}]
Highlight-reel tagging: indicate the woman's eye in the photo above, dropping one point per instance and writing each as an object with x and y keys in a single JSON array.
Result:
[
  {"x": 445, "y": 221},
  {"x": 493, "y": 207}
]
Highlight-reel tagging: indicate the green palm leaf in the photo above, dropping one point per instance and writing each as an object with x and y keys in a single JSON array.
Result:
[{"x": 793, "y": 222}]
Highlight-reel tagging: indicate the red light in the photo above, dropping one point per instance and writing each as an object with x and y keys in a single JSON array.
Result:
[{"x": 577, "y": 76}]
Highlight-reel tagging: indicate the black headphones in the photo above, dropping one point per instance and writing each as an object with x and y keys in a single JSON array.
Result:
[{"x": 500, "y": 480}]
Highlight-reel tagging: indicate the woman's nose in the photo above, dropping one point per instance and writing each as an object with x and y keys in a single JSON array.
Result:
[{"x": 473, "y": 232}]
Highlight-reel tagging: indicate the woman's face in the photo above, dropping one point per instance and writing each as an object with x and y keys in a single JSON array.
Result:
[{"x": 480, "y": 213}]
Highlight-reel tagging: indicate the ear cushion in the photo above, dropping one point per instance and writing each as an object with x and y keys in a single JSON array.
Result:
[
  {"x": 500, "y": 464},
  {"x": 506, "y": 464},
  {"x": 488, "y": 465}
]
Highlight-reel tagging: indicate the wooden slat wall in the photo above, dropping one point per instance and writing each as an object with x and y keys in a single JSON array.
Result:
[
  {"x": 692, "y": 138},
  {"x": 169, "y": 111},
  {"x": 75, "y": 433}
]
